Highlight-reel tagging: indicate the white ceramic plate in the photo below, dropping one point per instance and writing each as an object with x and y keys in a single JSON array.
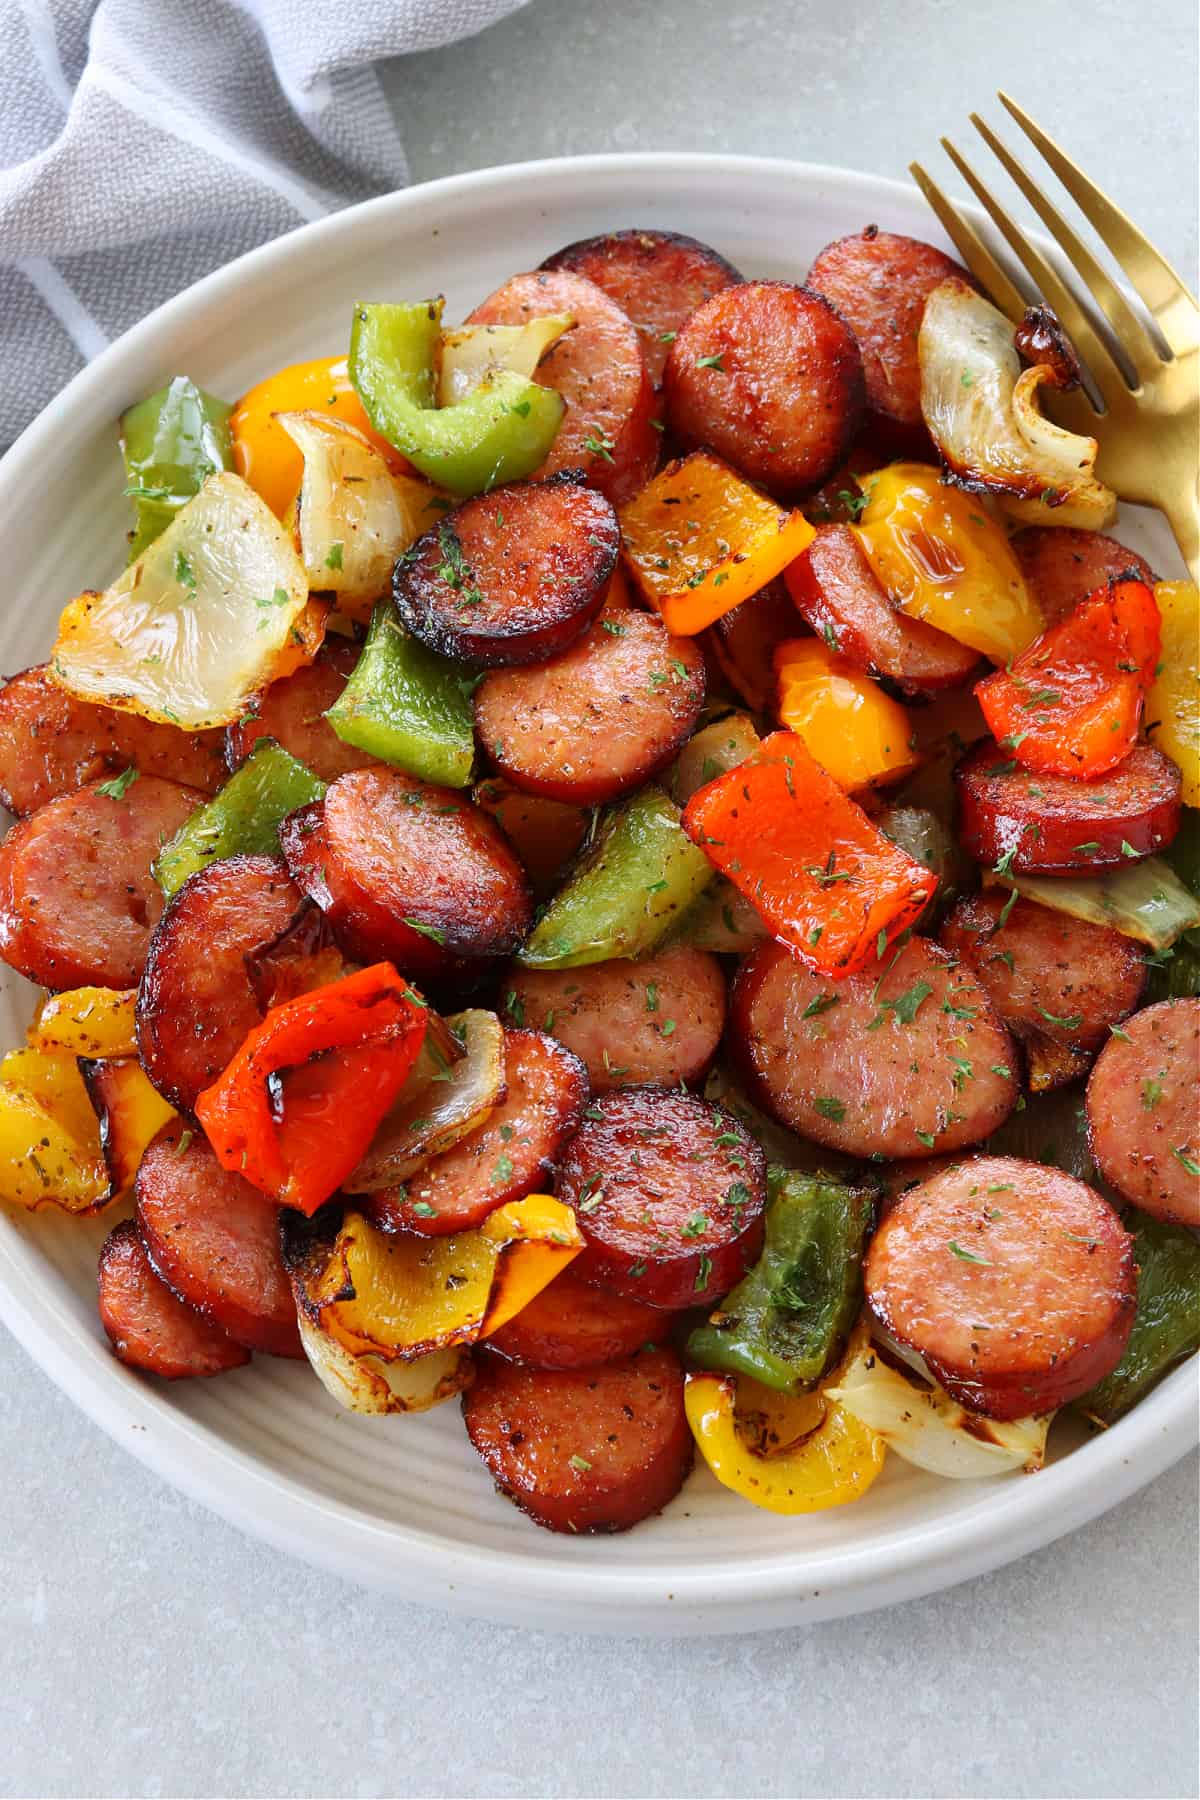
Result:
[{"x": 405, "y": 1504}]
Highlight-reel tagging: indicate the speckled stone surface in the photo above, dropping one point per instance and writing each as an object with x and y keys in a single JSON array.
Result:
[{"x": 148, "y": 1649}]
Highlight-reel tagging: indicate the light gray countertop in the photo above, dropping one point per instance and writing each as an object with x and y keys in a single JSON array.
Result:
[{"x": 146, "y": 1648}]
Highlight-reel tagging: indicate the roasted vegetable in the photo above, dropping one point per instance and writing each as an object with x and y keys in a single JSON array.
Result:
[
  {"x": 407, "y": 705},
  {"x": 90, "y": 1021},
  {"x": 925, "y": 838},
  {"x": 50, "y": 1152},
  {"x": 264, "y": 454},
  {"x": 712, "y": 751},
  {"x": 368, "y": 1384},
  {"x": 1144, "y": 899},
  {"x": 1173, "y": 703},
  {"x": 171, "y": 442},
  {"x": 473, "y": 354},
  {"x": 243, "y": 818},
  {"x": 1166, "y": 1326},
  {"x": 857, "y": 733},
  {"x": 440, "y": 1103},
  {"x": 130, "y": 1113}
]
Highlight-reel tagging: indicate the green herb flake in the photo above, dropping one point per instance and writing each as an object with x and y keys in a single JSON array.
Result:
[
  {"x": 830, "y": 1107},
  {"x": 119, "y": 786},
  {"x": 956, "y": 1249},
  {"x": 334, "y": 559}
]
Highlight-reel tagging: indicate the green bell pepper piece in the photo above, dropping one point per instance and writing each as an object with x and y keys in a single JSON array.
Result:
[
  {"x": 171, "y": 442},
  {"x": 785, "y": 1322},
  {"x": 501, "y": 431},
  {"x": 1166, "y": 1326},
  {"x": 407, "y": 705},
  {"x": 1175, "y": 975},
  {"x": 626, "y": 892},
  {"x": 243, "y": 818}
]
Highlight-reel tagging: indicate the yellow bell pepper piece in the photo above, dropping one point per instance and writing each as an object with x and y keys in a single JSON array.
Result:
[
  {"x": 1173, "y": 703},
  {"x": 131, "y": 1113},
  {"x": 699, "y": 540},
  {"x": 42, "y": 1163},
  {"x": 53, "y": 1078},
  {"x": 942, "y": 559},
  {"x": 264, "y": 454},
  {"x": 87, "y": 1021},
  {"x": 857, "y": 733},
  {"x": 786, "y": 1454}
]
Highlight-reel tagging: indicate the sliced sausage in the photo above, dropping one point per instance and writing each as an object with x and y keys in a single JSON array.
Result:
[
  {"x": 583, "y": 1449},
  {"x": 197, "y": 998},
  {"x": 293, "y": 711},
  {"x": 1014, "y": 1281},
  {"x": 149, "y": 1327},
  {"x": 898, "y": 1060},
  {"x": 669, "y": 1192},
  {"x": 1047, "y": 975},
  {"x": 1143, "y": 1105},
  {"x": 598, "y": 720},
  {"x": 51, "y": 743},
  {"x": 77, "y": 900},
  {"x": 835, "y": 589},
  {"x": 214, "y": 1239},
  {"x": 1063, "y": 566},
  {"x": 879, "y": 283},
  {"x": 659, "y": 1020},
  {"x": 1055, "y": 825},
  {"x": 572, "y": 1325},
  {"x": 744, "y": 639},
  {"x": 768, "y": 376},
  {"x": 513, "y": 576},
  {"x": 510, "y": 1155},
  {"x": 599, "y": 370},
  {"x": 656, "y": 277},
  {"x": 544, "y": 833},
  {"x": 408, "y": 871}
]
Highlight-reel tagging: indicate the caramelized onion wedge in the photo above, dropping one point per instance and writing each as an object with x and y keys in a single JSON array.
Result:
[
  {"x": 983, "y": 414},
  {"x": 364, "y": 1384},
  {"x": 472, "y": 353}
]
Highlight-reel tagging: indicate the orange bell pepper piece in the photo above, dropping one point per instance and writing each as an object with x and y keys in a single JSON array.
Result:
[
  {"x": 264, "y": 454},
  {"x": 297, "y": 1107},
  {"x": 857, "y": 733},
  {"x": 1072, "y": 703},
  {"x": 699, "y": 540},
  {"x": 824, "y": 880}
]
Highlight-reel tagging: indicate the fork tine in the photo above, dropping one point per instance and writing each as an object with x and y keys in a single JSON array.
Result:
[
  {"x": 1149, "y": 273},
  {"x": 974, "y": 252},
  {"x": 1075, "y": 322},
  {"x": 1131, "y": 335}
]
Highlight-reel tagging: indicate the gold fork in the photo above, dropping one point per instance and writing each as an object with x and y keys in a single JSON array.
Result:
[{"x": 1149, "y": 428}]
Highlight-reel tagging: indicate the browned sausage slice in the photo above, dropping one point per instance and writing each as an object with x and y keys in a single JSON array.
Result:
[
  {"x": 544, "y": 833},
  {"x": 215, "y": 1241},
  {"x": 659, "y": 1020},
  {"x": 572, "y": 1325},
  {"x": 512, "y": 1153},
  {"x": 834, "y": 588},
  {"x": 879, "y": 283},
  {"x": 1055, "y": 825},
  {"x": 1063, "y": 566},
  {"x": 197, "y": 999},
  {"x": 1015, "y": 1282},
  {"x": 149, "y": 1327},
  {"x": 513, "y": 576},
  {"x": 1046, "y": 974},
  {"x": 656, "y": 277},
  {"x": 77, "y": 900},
  {"x": 891, "y": 1062},
  {"x": 743, "y": 642},
  {"x": 293, "y": 712},
  {"x": 1143, "y": 1103},
  {"x": 599, "y": 370},
  {"x": 669, "y": 1192},
  {"x": 599, "y": 719},
  {"x": 583, "y": 1449},
  {"x": 51, "y": 743},
  {"x": 768, "y": 376},
  {"x": 408, "y": 871}
]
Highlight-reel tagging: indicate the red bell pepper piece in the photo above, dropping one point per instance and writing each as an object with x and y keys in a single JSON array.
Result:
[
  {"x": 297, "y": 1107},
  {"x": 1072, "y": 703},
  {"x": 825, "y": 881}
]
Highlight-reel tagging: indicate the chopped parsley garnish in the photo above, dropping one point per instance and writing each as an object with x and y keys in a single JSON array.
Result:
[
  {"x": 968, "y": 1255},
  {"x": 830, "y": 1107},
  {"x": 119, "y": 786}
]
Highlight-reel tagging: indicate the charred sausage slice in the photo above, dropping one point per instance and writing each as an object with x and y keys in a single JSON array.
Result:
[
  {"x": 51, "y": 743},
  {"x": 1015, "y": 1282},
  {"x": 215, "y": 1241},
  {"x": 656, "y": 277},
  {"x": 1055, "y": 825},
  {"x": 544, "y": 833},
  {"x": 896, "y": 1061},
  {"x": 599, "y": 719},
  {"x": 572, "y": 1325},
  {"x": 659, "y": 1020},
  {"x": 583, "y": 1450},
  {"x": 408, "y": 871},
  {"x": 510, "y": 1155},
  {"x": 769, "y": 377},
  {"x": 1143, "y": 1103},
  {"x": 77, "y": 900},
  {"x": 513, "y": 576},
  {"x": 669, "y": 1192},
  {"x": 1063, "y": 566},
  {"x": 149, "y": 1327},
  {"x": 293, "y": 711},
  {"x": 599, "y": 370}
]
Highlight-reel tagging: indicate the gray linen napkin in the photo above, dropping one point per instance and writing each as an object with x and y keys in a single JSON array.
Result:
[{"x": 146, "y": 142}]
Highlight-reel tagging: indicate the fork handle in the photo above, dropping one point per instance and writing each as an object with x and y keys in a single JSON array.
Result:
[{"x": 1184, "y": 519}]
